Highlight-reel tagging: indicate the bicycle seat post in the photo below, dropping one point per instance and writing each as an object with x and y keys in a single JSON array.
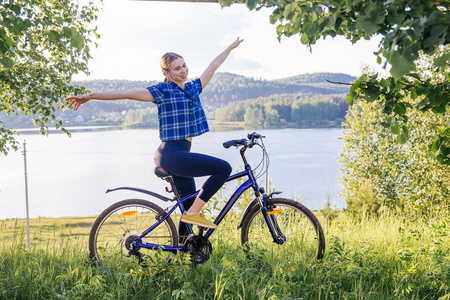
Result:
[{"x": 163, "y": 174}]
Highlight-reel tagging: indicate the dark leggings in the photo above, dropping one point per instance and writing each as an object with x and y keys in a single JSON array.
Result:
[{"x": 175, "y": 157}]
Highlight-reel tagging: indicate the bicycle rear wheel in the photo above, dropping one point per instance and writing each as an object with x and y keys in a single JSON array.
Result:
[
  {"x": 110, "y": 240},
  {"x": 304, "y": 238}
]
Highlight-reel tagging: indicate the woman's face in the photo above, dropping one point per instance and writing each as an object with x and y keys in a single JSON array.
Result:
[{"x": 178, "y": 71}]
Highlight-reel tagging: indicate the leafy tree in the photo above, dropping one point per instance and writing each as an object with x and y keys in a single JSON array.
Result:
[
  {"x": 42, "y": 45},
  {"x": 233, "y": 112},
  {"x": 407, "y": 28},
  {"x": 254, "y": 116},
  {"x": 377, "y": 172},
  {"x": 272, "y": 116},
  {"x": 144, "y": 118}
]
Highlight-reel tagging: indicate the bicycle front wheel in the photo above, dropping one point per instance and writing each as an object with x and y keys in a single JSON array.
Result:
[
  {"x": 302, "y": 233},
  {"x": 111, "y": 237}
]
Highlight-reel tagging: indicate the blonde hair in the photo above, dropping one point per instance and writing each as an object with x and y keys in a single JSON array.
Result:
[{"x": 166, "y": 62}]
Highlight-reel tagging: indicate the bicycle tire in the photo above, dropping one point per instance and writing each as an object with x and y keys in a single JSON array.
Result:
[
  {"x": 122, "y": 222},
  {"x": 305, "y": 241}
]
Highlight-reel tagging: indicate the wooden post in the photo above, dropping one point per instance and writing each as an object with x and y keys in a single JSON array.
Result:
[{"x": 26, "y": 191}]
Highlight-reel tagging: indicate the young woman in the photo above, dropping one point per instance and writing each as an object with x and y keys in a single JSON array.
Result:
[{"x": 181, "y": 117}]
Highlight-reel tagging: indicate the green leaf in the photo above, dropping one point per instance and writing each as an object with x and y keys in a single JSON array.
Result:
[
  {"x": 304, "y": 39},
  {"x": 251, "y": 4},
  {"x": 273, "y": 18},
  {"x": 405, "y": 131},
  {"x": 70, "y": 31},
  {"x": 402, "y": 138},
  {"x": 400, "y": 65},
  {"x": 350, "y": 98},
  {"x": 369, "y": 27},
  {"x": 395, "y": 129},
  {"x": 287, "y": 10},
  {"x": 314, "y": 16},
  {"x": 7, "y": 62},
  {"x": 78, "y": 42},
  {"x": 444, "y": 131},
  {"x": 400, "y": 109},
  {"x": 434, "y": 147},
  {"x": 16, "y": 8},
  {"x": 280, "y": 29},
  {"x": 225, "y": 3},
  {"x": 53, "y": 36}
]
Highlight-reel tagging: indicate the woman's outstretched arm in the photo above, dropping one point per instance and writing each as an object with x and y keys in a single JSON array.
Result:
[
  {"x": 215, "y": 64},
  {"x": 135, "y": 94}
]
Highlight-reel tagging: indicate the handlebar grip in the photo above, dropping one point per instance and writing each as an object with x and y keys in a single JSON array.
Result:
[
  {"x": 234, "y": 143},
  {"x": 228, "y": 144}
]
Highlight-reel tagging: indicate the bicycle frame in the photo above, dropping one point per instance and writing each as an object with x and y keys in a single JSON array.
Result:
[{"x": 275, "y": 231}]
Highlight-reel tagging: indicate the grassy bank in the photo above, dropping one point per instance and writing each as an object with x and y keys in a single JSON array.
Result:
[{"x": 388, "y": 258}]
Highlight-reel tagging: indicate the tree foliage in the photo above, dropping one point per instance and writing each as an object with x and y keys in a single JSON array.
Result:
[
  {"x": 407, "y": 28},
  {"x": 378, "y": 172},
  {"x": 286, "y": 111},
  {"x": 42, "y": 45}
]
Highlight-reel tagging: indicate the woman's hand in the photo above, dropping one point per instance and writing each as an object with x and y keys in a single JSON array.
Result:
[
  {"x": 77, "y": 101},
  {"x": 236, "y": 43}
]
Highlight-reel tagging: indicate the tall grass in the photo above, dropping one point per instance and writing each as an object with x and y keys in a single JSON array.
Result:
[{"x": 385, "y": 258}]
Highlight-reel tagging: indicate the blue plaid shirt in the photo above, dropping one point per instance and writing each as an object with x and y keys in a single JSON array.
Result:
[{"x": 180, "y": 112}]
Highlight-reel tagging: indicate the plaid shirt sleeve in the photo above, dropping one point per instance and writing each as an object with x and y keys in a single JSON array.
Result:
[{"x": 157, "y": 92}]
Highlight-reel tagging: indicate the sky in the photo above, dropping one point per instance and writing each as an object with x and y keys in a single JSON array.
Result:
[{"x": 135, "y": 34}]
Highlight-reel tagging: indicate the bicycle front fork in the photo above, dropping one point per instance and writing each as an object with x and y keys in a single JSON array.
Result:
[{"x": 269, "y": 216}]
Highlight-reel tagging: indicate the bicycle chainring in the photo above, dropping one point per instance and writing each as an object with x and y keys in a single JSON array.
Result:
[{"x": 199, "y": 248}]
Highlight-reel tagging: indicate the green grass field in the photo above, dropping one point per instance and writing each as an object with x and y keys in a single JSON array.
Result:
[{"x": 386, "y": 258}]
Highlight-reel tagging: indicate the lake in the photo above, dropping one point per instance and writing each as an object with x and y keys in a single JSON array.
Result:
[{"x": 69, "y": 176}]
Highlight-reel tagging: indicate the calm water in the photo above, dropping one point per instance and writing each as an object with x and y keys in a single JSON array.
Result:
[{"x": 69, "y": 176}]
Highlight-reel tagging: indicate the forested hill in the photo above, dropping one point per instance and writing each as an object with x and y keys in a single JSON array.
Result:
[{"x": 225, "y": 88}]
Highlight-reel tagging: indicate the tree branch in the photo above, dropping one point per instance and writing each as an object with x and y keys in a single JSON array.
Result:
[
  {"x": 336, "y": 82},
  {"x": 408, "y": 84},
  {"x": 29, "y": 59}
]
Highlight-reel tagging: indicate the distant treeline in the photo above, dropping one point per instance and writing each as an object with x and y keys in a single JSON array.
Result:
[{"x": 265, "y": 112}]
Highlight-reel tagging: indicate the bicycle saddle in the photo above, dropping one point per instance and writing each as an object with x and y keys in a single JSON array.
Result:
[{"x": 161, "y": 173}]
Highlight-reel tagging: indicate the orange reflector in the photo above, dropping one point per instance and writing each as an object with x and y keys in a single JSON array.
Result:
[
  {"x": 275, "y": 211},
  {"x": 129, "y": 213}
]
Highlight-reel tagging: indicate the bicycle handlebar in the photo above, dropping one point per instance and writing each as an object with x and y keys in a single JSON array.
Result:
[
  {"x": 252, "y": 136},
  {"x": 234, "y": 143},
  {"x": 249, "y": 142}
]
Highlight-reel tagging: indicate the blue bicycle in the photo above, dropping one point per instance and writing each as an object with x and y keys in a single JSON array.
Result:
[{"x": 140, "y": 229}]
